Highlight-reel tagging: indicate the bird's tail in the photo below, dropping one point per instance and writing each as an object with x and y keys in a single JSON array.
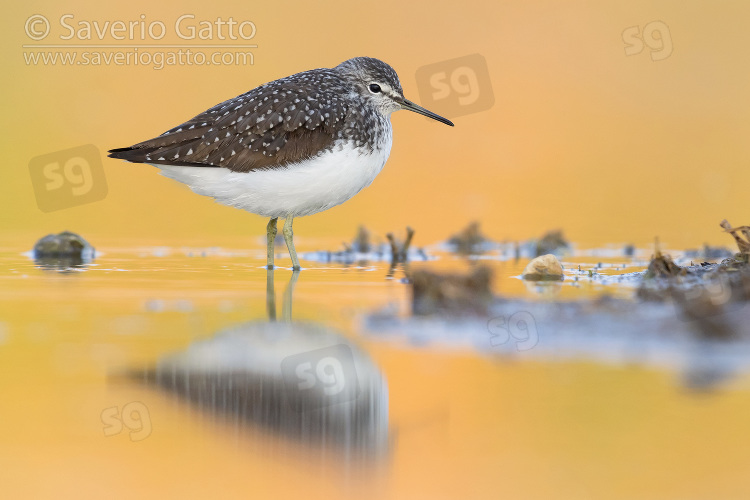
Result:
[{"x": 132, "y": 154}]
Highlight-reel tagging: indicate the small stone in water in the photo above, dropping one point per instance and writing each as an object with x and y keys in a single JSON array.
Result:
[
  {"x": 65, "y": 244},
  {"x": 544, "y": 268}
]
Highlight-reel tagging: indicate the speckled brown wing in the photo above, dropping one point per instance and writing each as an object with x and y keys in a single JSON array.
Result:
[{"x": 282, "y": 122}]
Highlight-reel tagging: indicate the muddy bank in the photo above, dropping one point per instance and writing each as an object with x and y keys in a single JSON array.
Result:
[{"x": 692, "y": 317}]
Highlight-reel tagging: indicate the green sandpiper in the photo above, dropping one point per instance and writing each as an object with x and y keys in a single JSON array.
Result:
[{"x": 292, "y": 147}]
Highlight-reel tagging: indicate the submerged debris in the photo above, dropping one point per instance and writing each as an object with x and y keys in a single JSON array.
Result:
[
  {"x": 470, "y": 241},
  {"x": 451, "y": 294},
  {"x": 552, "y": 242},
  {"x": 544, "y": 268},
  {"x": 62, "y": 251}
]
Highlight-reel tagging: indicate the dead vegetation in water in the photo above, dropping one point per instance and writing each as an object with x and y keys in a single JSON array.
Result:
[
  {"x": 663, "y": 269},
  {"x": 400, "y": 249},
  {"x": 553, "y": 242},
  {"x": 469, "y": 241},
  {"x": 362, "y": 242},
  {"x": 699, "y": 309},
  {"x": 742, "y": 243},
  {"x": 366, "y": 247},
  {"x": 705, "y": 292},
  {"x": 451, "y": 294},
  {"x": 662, "y": 266}
]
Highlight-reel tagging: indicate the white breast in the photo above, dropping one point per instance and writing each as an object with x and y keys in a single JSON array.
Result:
[{"x": 306, "y": 188}]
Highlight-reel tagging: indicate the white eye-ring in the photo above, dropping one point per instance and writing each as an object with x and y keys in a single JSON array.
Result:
[{"x": 375, "y": 88}]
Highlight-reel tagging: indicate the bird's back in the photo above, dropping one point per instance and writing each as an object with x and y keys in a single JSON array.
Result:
[{"x": 276, "y": 124}]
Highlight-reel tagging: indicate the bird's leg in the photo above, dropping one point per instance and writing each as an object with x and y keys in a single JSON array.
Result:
[
  {"x": 286, "y": 307},
  {"x": 289, "y": 237},
  {"x": 271, "y": 233},
  {"x": 270, "y": 296}
]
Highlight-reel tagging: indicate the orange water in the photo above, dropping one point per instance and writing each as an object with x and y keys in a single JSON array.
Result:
[
  {"x": 460, "y": 423},
  {"x": 612, "y": 148}
]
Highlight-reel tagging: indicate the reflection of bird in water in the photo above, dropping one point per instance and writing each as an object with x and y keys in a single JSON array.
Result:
[
  {"x": 300, "y": 380},
  {"x": 286, "y": 310}
]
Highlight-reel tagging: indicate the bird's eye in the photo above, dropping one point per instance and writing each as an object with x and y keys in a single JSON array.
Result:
[{"x": 374, "y": 88}]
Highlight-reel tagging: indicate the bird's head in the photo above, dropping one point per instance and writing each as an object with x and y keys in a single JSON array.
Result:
[{"x": 377, "y": 82}]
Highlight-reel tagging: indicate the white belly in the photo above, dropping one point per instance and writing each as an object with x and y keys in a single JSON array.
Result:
[{"x": 306, "y": 188}]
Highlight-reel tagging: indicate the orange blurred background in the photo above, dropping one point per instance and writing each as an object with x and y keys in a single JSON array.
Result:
[{"x": 609, "y": 147}]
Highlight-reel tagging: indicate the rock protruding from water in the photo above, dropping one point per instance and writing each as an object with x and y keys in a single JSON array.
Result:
[
  {"x": 62, "y": 251},
  {"x": 451, "y": 294},
  {"x": 544, "y": 268},
  {"x": 65, "y": 244}
]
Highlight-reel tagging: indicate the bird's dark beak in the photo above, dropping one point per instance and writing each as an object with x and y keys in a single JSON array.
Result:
[{"x": 407, "y": 104}]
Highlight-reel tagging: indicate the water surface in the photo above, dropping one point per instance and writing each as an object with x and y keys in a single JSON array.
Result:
[{"x": 80, "y": 347}]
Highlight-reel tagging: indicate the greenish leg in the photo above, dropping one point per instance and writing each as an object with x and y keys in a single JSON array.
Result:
[
  {"x": 289, "y": 238},
  {"x": 286, "y": 308},
  {"x": 271, "y": 233},
  {"x": 270, "y": 296}
]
